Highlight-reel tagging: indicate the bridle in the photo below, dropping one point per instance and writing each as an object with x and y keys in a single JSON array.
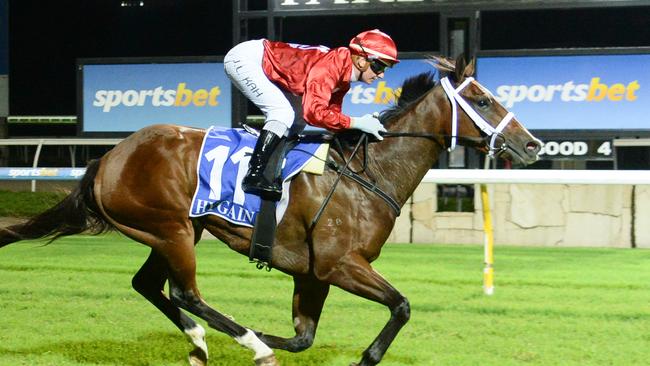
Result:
[
  {"x": 492, "y": 132},
  {"x": 493, "y": 135}
]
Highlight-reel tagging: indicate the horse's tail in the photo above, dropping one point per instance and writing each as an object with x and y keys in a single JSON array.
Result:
[{"x": 76, "y": 213}]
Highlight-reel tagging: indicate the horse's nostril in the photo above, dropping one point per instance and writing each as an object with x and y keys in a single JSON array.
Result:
[{"x": 532, "y": 146}]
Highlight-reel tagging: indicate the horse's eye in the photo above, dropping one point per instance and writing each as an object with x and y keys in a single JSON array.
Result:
[{"x": 483, "y": 102}]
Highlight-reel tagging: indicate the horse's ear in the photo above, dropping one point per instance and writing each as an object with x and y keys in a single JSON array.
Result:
[
  {"x": 470, "y": 68},
  {"x": 443, "y": 64},
  {"x": 461, "y": 65}
]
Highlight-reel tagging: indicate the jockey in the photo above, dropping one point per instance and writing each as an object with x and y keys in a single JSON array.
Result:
[{"x": 276, "y": 75}]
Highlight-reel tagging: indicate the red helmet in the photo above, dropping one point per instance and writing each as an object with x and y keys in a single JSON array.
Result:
[{"x": 375, "y": 44}]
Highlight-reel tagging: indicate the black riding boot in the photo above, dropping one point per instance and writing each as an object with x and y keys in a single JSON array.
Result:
[{"x": 261, "y": 181}]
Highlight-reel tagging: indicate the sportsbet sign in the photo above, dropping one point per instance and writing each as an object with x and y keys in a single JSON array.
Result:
[
  {"x": 181, "y": 96},
  {"x": 363, "y": 98},
  {"x": 127, "y": 97},
  {"x": 582, "y": 92},
  {"x": 595, "y": 91}
]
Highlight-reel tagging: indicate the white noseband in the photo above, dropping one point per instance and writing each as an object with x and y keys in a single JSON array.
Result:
[{"x": 455, "y": 98}]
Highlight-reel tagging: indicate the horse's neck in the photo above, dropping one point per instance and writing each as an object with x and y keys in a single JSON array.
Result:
[{"x": 402, "y": 162}]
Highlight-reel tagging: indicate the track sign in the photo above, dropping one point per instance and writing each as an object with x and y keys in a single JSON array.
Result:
[{"x": 577, "y": 150}]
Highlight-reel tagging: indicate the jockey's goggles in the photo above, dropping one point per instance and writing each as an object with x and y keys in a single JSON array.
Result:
[{"x": 377, "y": 66}]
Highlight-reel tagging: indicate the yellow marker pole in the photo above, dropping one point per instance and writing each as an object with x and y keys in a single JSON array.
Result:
[{"x": 488, "y": 271}]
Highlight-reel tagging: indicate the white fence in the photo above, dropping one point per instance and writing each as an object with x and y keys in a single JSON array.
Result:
[
  {"x": 547, "y": 176},
  {"x": 531, "y": 207},
  {"x": 36, "y": 173}
]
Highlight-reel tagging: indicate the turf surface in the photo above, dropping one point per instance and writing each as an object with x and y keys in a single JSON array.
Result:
[{"x": 70, "y": 303}]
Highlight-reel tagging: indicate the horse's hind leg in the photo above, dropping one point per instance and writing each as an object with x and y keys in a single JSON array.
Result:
[
  {"x": 149, "y": 282},
  {"x": 308, "y": 298},
  {"x": 184, "y": 293}
]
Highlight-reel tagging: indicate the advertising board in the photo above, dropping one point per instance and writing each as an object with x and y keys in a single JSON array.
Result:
[
  {"x": 584, "y": 93},
  {"x": 42, "y": 173},
  {"x": 125, "y": 97},
  {"x": 363, "y": 98}
]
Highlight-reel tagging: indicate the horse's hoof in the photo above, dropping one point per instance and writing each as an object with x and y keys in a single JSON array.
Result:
[
  {"x": 267, "y": 361},
  {"x": 198, "y": 357}
]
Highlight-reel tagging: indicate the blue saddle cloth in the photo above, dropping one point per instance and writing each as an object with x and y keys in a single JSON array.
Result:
[{"x": 222, "y": 165}]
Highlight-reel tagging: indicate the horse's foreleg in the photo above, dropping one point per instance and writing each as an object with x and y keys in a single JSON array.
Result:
[
  {"x": 356, "y": 276},
  {"x": 308, "y": 298},
  {"x": 185, "y": 294},
  {"x": 149, "y": 282}
]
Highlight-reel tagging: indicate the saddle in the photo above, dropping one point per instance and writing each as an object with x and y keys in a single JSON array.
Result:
[
  {"x": 265, "y": 224},
  {"x": 263, "y": 237},
  {"x": 222, "y": 163}
]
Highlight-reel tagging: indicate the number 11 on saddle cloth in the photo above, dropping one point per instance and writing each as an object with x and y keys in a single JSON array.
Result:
[{"x": 222, "y": 165}]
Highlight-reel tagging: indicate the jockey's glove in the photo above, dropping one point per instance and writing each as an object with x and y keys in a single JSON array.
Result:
[{"x": 369, "y": 124}]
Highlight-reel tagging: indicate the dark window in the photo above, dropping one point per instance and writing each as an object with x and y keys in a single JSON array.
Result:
[
  {"x": 415, "y": 32},
  {"x": 455, "y": 198},
  {"x": 563, "y": 28},
  {"x": 633, "y": 158},
  {"x": 599, "y": 165}
]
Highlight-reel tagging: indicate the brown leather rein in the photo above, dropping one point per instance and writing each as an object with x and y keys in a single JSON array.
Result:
[{"x": 344, "y": 169}]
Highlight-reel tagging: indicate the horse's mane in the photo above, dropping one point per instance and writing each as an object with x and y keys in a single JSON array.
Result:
[{"x": 413, "y": 89}]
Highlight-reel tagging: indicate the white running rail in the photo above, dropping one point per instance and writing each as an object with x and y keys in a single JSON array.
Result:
[{"x": 526, "y": 176}]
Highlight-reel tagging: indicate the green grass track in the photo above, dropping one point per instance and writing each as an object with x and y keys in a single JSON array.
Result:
[{"x": 71, "y": 303}]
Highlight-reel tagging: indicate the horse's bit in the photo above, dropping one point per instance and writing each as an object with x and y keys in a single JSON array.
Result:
[{"x": 491, "y": 132}]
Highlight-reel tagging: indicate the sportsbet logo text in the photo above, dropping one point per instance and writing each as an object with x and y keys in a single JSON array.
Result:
[
  {"x": 595, "y": 91},
  {"x": 382, "y": 94},
  {"x": 158, "y": 97}
]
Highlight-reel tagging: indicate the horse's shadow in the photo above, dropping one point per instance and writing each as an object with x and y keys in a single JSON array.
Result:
[{"x": 162, "y": 348}]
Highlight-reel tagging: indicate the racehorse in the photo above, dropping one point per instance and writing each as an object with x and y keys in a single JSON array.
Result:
[{"x": 143, "y": 188}]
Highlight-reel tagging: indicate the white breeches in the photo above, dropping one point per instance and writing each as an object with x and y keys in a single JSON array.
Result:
[{"x": 243, "y": 65}]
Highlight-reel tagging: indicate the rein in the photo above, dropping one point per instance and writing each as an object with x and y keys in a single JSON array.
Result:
[
  {"x": 434, "y": 137},
  {"x": 453, "y": 94},
  {"x": 365, "y": 183}
]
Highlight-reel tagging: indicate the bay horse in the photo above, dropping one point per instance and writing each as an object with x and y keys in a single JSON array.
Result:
[{"x": 144, "y": 185}]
